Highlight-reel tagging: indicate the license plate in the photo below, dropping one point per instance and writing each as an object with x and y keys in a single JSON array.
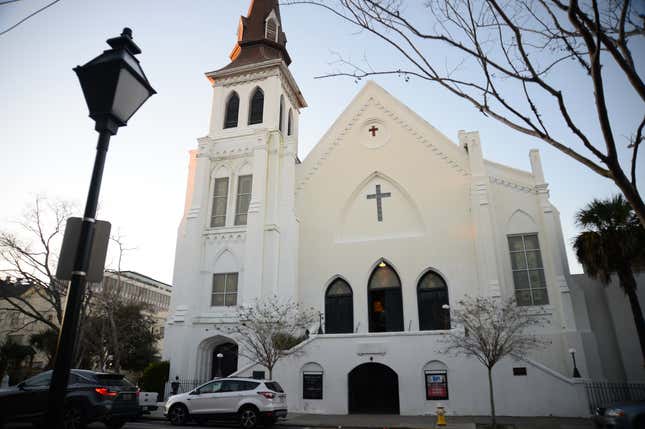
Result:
[{"x": 127, "y": 396}]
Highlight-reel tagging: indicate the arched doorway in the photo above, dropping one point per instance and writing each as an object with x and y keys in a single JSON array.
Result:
[
  {"x": 227, "y": 364},
  {"x": 384, "y": 300},
  {"x": 373, "y": 388}
]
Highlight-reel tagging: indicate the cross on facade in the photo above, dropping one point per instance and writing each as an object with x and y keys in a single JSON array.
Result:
[
  {"x": 378, "y": 196},
  {"x": 373, "y": 130}
]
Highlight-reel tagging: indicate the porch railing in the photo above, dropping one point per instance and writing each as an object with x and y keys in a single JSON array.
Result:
[{"x": 601, "y": 394}]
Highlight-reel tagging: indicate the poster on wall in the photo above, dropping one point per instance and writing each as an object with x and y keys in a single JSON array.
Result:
[
  {"x": 436, "y": 385},
  {"x": 312, "y": 387}
]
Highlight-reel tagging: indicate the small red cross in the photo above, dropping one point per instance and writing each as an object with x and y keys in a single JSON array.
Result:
[{"x": 373, "y": 130}]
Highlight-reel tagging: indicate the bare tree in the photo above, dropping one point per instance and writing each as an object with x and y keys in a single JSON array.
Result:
[
  {"x": 501, "y": 57},
  {"x": 30, "y": 255},
  {"x": 490, "y": 329},
  {"x": 270, "y": 329}
]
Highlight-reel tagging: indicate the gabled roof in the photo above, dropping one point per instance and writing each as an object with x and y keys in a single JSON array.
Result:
[{"x": 252, "y": 44}]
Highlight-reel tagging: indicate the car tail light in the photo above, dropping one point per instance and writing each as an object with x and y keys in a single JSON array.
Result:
[
  {"x": 104, "y": 391},
  {"x": 268, "y": 395}
]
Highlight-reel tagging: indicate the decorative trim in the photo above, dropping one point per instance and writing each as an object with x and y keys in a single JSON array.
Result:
[
  {"x": 354, "y": 121},
  {"x": 509, "y": 183}
]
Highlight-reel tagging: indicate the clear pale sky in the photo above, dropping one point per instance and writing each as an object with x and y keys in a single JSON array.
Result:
[{"x": 47, "y": 142}]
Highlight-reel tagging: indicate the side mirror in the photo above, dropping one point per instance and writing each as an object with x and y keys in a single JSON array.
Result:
[
  {"x": 195, "y": 392},
  {"x": 21, "y": 386}
]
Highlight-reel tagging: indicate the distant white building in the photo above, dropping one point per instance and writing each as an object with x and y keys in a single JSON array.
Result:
[{"x": 382, "y": 224}]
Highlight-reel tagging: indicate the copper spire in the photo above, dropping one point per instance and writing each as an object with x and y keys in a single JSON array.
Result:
[{"x": 257, "y": 39}]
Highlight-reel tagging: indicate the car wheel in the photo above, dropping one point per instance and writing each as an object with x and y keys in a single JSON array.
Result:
[
  {"x": 178, "y": 415},
  {"x": 115, "y": 424},
  {"x": 73, "y": 417},
  {"x": 248, "y": 417}
]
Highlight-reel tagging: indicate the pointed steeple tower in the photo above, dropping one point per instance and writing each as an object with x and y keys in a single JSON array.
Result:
[{"x": 260, "y": 36}]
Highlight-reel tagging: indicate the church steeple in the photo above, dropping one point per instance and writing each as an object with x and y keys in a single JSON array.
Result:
[{"x": 260, "y": 36}]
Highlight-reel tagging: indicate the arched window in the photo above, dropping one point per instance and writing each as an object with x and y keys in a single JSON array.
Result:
[
  {"x": 384, "y": 300},
  {"x": 432, "y": 295},
  {"x": 339, "y": 308},
  {"x": 271, "y": 30},
  {"x": 232, "y": 110},
  {"x": 257, "y": 107},
  {"x": 289, "y": 122},
  {"x": 281, "y": 112}
]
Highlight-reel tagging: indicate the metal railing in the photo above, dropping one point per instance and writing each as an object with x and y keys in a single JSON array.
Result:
[
  {"x": 185, "y": 385},
  {"x": 603, "y": 393}
]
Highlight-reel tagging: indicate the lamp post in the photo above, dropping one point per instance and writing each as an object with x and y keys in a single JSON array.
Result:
[
  {"x": 446, "y": 308},
  {"x": 114, "y": 87},
  {"x": 219, "y": 364},
  {"x": 320, "y": 322},
  {"x": 576, "y": 373}
]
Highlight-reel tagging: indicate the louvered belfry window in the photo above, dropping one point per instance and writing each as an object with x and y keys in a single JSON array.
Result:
[
  {"x": 257, "y": 107},
  {"x": 272, "y": 28}
]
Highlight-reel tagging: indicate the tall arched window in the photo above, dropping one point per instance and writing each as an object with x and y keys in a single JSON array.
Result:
[
  {"x": 339, "y": 308},
  {"x": 384, "y": 300},
  {"x": 289, "y": 122},
  {"x": 257, "y": 107},
  {"x": 432, "y": 295},
  {"x": 281, "y": 112},
  {"x": 232, "y": 110}
]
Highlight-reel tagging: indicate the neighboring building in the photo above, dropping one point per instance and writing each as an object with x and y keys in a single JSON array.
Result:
[
  {"x": 383, "y": 223},
  {"x": 18, "y": 326},
  {"x": 135, "y": 287}
]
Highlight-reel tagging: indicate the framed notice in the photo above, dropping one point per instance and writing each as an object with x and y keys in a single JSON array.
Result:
[
  {"x": 436, "y": 385},
  {"x": 312, "y": 385}
]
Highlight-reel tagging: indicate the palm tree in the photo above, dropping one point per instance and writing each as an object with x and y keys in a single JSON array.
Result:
[{"x": 613, "y": 242}]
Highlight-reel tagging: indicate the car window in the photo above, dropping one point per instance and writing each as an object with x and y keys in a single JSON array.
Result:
[
  {"x": 113, "y": 380},
  {"x": 39, "y": 380},
  {"x": 231, "y": 386},
  {"x": 250, "y": 385},
  {"x": 214, "y": 387},
  {"x": 273, "y": 385}
]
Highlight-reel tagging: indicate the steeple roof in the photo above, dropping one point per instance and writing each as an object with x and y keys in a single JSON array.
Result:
[{"x": 256, "y": 40}]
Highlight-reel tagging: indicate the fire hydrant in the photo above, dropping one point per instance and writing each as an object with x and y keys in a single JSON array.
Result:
[{"x": 441, "y": 415}]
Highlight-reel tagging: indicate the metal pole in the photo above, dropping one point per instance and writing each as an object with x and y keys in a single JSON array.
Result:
[
  {"x": 68, "y": 332},
  {"x": 576, "y": 373}
]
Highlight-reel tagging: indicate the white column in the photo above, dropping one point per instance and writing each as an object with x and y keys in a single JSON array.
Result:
[
  {"x": 482, "y": 218},
  {"x": 254, "y": 246}
]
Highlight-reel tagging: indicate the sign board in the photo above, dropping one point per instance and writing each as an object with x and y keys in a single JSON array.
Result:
[
  {"x": 312, "y": 385},
  {"x": 97, "y": 254},
  {"x": 436, "y": 385}
]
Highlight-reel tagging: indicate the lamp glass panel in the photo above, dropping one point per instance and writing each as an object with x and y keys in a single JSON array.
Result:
[{"x": 130, "y": 95}]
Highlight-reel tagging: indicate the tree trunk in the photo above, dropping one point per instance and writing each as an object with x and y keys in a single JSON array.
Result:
[
  {"x": 492, "y": 398},
  {"x": 628, "y": 283},
  {"x": 629, "y": 191}
]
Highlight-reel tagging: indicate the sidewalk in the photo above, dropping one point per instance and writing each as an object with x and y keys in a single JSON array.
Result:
[{"x": 375, "y": 421}]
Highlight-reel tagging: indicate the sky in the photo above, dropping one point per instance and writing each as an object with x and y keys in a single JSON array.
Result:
[{"x": 47, "y": 141}]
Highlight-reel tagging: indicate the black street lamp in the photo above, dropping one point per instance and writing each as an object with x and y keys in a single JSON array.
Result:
[
  {"x": 114, "y": 87},
  {"x": 576, "y": 373}
]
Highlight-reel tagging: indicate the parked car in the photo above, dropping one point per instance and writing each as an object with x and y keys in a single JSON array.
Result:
[
  {"x": 621, "y": 415},
  {"x": 246, "y": 400},
  {"x": 91, "y": 396},
  {"x": 148, "y": 402}
]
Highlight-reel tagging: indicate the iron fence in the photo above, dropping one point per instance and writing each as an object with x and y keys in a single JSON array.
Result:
[
  {"x": 185, "y": 385},
  {"x": 603, "y": 393}
]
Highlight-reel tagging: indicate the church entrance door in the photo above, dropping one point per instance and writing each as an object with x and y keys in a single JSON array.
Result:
[
  {"x": 373, "y": 388},
  {"x": 226, "y": 364}
]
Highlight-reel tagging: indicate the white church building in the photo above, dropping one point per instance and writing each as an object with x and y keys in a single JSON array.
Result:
[{"x": 383, "y": 227}]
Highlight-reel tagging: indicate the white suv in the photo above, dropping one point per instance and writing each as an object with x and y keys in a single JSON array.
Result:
[{"x": 248, "y": 400}]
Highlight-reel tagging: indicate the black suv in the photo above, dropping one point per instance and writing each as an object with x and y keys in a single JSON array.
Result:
[{"x": 91, "y": 396}]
